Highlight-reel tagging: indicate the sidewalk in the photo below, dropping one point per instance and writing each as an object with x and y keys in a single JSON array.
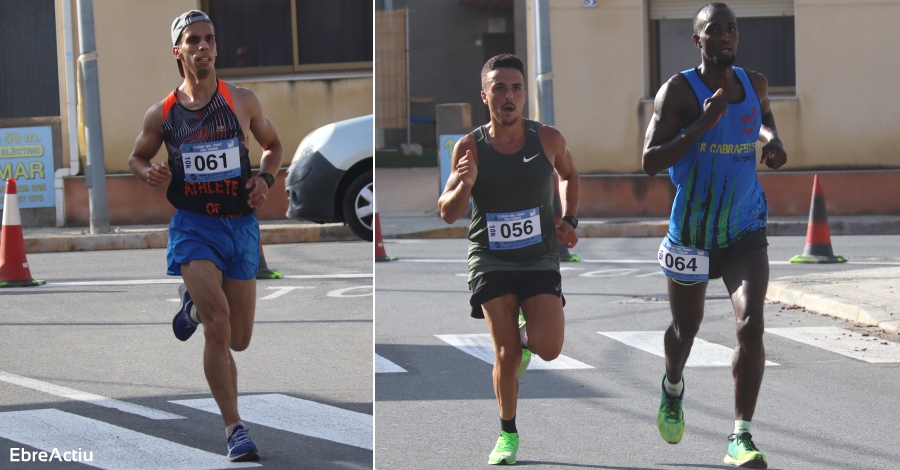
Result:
[
  {"x": 407, "y": 208},
  {"x": 131, "y": 237}
]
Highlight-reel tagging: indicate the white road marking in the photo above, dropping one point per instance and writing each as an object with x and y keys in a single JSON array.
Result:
[
  {"x": 110, "y": 447},
  {"x": 133, "y": 282},
  {"x": 91, "y": 398},
  {"x": 845, "y": 342},
  {"x": 639, "y": 261},
  {"x": 703, "y": 353},
  {"x": 384, "y": 366},
  {"x": 481, "y": 347},
  {"x": 330, "y": 276},
  {"x": 298, "y": 416},
  {"x": 609, "y": 272},
  {"x": 283, "y": 290},
  {"x": 404, "y": 260},
  {"x": 654, "y": 273},
  {"x": 342, "y": 292}
]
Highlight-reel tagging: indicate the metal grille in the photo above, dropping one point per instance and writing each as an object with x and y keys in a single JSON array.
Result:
[
  {"x": 391, "y": 101},
  {"x": 29, "y": 80}
]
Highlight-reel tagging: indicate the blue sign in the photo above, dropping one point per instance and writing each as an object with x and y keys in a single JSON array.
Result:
[{"x": 26, "y": 155}]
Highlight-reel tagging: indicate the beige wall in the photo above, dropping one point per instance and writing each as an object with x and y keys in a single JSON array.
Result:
[
  {"x": 844, "y": 114},
  {"x": 137, "y": 69}
]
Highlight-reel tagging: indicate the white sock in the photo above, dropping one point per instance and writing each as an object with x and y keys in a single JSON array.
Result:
[
  {"x": 740, "y": 427},
  {"x": 673, "y": 390},
  {"x": 230, "y": 428},
  {"x": 194, "y": 316}
]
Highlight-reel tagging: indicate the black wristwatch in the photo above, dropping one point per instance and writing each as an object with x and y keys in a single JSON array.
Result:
[
  {"x": 571, "y": 220},
  {"x": 270, "y": 180}
]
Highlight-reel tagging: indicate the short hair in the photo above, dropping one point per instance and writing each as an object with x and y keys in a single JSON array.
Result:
[
  {"x": 698, "y": 22},
  {"x": 502, "y": 61}
]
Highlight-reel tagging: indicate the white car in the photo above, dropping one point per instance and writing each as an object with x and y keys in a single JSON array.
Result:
[{"x": 330, "y": 177}]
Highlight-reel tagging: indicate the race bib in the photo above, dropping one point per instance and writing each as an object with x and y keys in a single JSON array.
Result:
[
  {"x": 682, "y": 263},
  {"x": 511, "y": 230},
  {"x": 211, "y": 161}
]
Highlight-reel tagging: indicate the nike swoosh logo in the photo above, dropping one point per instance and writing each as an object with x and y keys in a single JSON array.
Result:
[
  {"x": 558, "y": 286},
  {"x": 526, "y": 160}
]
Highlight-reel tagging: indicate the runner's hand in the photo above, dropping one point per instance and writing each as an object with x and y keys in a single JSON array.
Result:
[
  {"x": 714, "y": 108},
  {"x": 259, "y": 191},
  {"x": 467, "y": 169},
  {"x": 773, "y": 155},
  {"x": 158, "y": 174},
  {"x": 566, "y": 235}
]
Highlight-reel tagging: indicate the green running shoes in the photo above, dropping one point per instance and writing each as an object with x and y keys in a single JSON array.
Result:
[
  {"x": 504, "y": 452},
  {"x": 670, "y": 419},
  {"x": 743, "y": 453}
]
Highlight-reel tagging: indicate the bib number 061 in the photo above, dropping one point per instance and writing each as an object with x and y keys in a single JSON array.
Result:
[{"x": 209, "y": 162}]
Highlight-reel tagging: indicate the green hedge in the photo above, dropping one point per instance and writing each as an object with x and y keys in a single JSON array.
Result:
[{"x": 388, "y": 159}]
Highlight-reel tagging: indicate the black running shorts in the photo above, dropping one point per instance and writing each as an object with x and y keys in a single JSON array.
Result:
[{"x": 524, "y": 284}]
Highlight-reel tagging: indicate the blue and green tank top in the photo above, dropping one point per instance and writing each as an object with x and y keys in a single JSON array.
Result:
[{"x": 718, "y": 196}]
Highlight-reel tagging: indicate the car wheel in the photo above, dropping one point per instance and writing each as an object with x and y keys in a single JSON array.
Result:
[{"x": 359, "y": 205}]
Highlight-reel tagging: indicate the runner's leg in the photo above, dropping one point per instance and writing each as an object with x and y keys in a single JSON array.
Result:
[
  {"x": 686, "y": 303},
  {"x": 545, "y": 325},
  {"x": 747, "y": 279},
  {"x": 241, "y": 297},
  {"x": 502, "y": 316},
  {"x": 204, "y": 282}
]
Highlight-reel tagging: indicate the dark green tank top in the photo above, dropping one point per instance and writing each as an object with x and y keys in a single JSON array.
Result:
[{"x": 512, "y": 225}]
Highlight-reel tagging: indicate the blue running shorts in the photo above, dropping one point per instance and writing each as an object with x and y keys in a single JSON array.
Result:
[{"x": 231, "y": 243}]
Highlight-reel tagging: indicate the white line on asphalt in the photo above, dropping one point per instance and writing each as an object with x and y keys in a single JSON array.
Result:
[
  {"x": 703, "y": 353},
  {"x": 609, "y": 272},
  {"x": 108, "y": 446},
  {"x": 342, "y": 292},
  {"x": 845, "y": 342},
  {"x": 298, "y": 416},
  {"x": 91, "y": 398},
  {"x": 404, "y": 260},
  {"x": 384, "y": 366},
  {"x": 654, "y": 273},
  {"x": 330, "y": 276},
  {"x": 283, "y": 290},
  {"x": 481, "y": 347},
  {"x": 641, "y": 261},
  {"x": 133, "y": 282}
]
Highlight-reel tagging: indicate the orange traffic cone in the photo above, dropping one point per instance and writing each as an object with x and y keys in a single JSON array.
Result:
[
  {"x": 380, "y": 254},
  {"x": 818, "y": 235},
  {"x": 14, "y": 271},
  {"x": 564, "y": 254},
  {"x": 263, "y": 272}
]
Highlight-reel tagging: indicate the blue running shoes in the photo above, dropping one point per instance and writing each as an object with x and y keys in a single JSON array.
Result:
[
  {"x": 182, "y": 324},
  {"x": 240, "y": 447}
]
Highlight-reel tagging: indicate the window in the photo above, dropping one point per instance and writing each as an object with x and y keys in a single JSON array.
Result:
[
  {"x": 766, "y": 40},
  {"x": 284, "y": 36}
]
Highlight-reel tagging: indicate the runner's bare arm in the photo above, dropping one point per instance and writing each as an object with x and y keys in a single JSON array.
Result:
[
  {"x": 264, "y": 132},
  {"x": 664, "y": 145},
  {"x": 557, "y": 151},
  {"x": 145, "y": 148},
  {"x": 463, "y": 171},
  {"x": 773, "y": 154}
]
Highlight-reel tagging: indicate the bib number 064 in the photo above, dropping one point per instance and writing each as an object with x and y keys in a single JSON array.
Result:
[{"x": 677, "y": 262}]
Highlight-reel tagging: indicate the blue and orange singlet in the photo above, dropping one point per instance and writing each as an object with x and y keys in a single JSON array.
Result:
[
  {"x": 208, "y": 157},
  {"x": 718, "y": 196}
]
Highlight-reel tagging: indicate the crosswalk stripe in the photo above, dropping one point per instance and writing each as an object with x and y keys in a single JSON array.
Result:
[
  {"x": 384, "y": 366},
  {"x": 108, "y": 446},
  {"x": 91, "y": 398},
  {"x": 298, "y": 416},
  {"x": 845, "y": 342},
  {"x": 703, "y": 353},
  {"x": 481, "y": 347}
]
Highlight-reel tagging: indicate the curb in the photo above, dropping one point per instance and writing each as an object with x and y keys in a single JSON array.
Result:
[
  {"x": 828, "y": 305},
  {"x": 159, "y": 238}
]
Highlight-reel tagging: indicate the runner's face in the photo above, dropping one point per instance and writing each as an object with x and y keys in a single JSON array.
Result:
[
  {"x": 198, "y": 49},
  {"x": 504, "y": 93},
  {"x": 718, "y": 39}
]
